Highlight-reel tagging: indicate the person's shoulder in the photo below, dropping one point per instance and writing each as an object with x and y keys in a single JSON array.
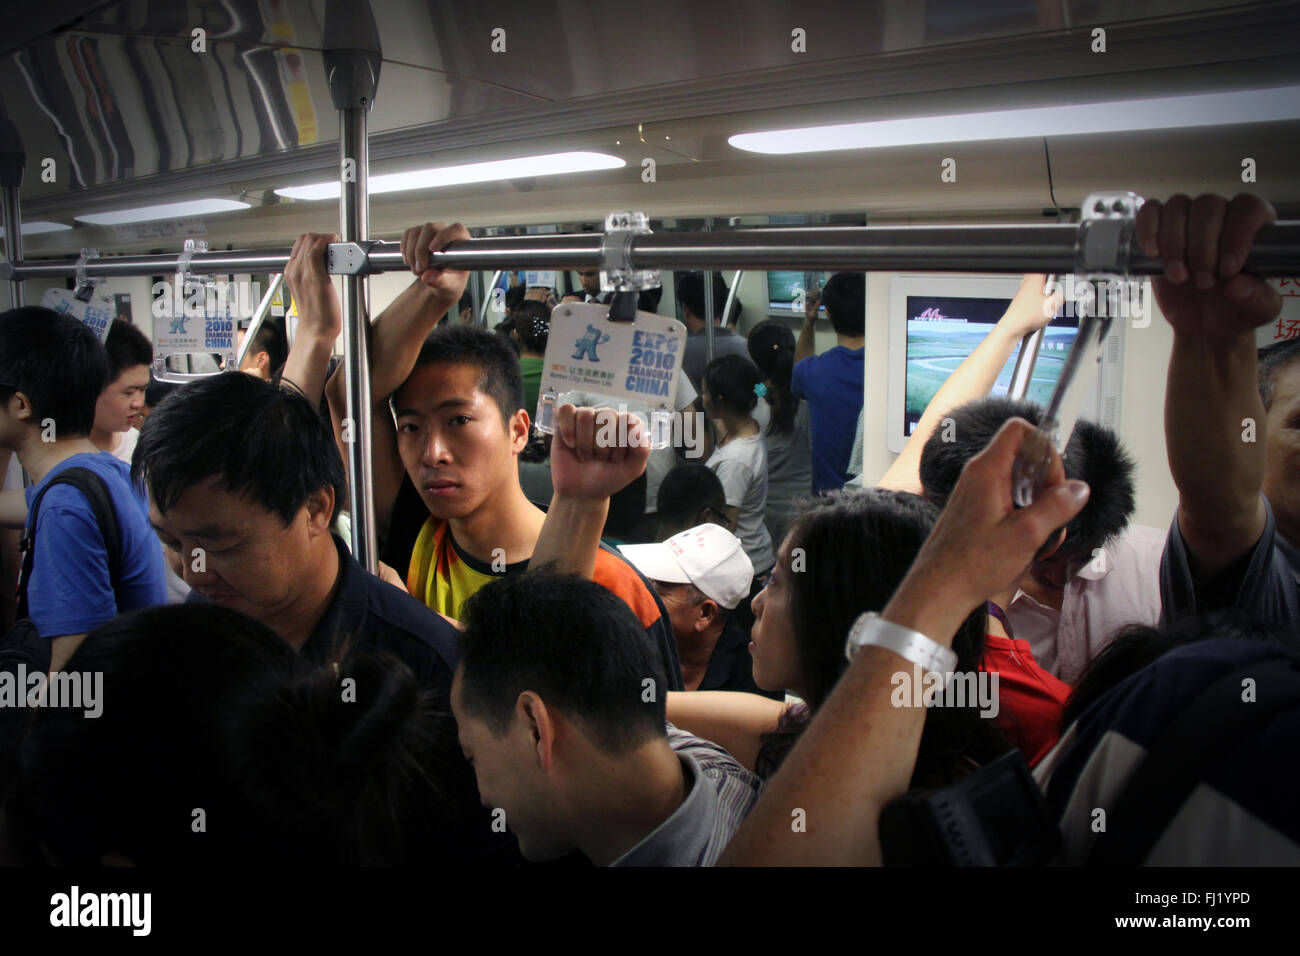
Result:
[
  {"x": 811, "y": 362},
  {"x": 845, "y": 361},
  {"x": 1118, "y": 729},
  {"x": 748, "y": 455},
  {"x": 115, "y": 474},
  {"x": 101, "y": 463},
  {"x": 1141, "y": 706},
  {"x": 1140, "y": 542},
  {"x": 731, "y": 463},
  {"x": 617, "y": 575},
  {"x": 754, "y": 446},
  {"x": 1133, "y": 559},
  {"x": 401, "y": 612},
  {"x": 712, "y": 758},
  {"x": 1260, "y": 582},
  {"x": 394, "y": 620}
]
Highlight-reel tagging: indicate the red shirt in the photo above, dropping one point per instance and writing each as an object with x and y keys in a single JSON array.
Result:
[{"x": 1030, "y": 699}]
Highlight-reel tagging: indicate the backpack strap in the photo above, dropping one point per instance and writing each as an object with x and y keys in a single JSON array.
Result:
[
  {"x": 101, "y": 502},
  {"x": 1206, "y": 730}
]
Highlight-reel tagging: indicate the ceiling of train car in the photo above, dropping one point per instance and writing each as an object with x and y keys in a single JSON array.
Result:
[{"x": 118, "y": 97}]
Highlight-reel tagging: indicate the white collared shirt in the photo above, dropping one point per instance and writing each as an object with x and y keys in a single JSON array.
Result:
[{"x": 1105, "y": 595}]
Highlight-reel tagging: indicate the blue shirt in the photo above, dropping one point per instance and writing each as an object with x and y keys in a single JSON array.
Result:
[
  {"x": 70, "y": 591},
  {"x": 831, "y": 383}
]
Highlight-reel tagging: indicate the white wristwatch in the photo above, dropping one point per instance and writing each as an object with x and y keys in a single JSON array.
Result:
[{"x": 911, "y": 645}]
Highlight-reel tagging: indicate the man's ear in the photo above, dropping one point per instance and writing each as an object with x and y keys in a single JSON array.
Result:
[
  {"x": 19, "y": 406},
  {"x": 519, "y": 429},
  {"x": 1050, "y": 548},
  {"x": 532, "y": 711},
  {"x": 707, "y": 614},
  {"x": 320, "y": 510}
]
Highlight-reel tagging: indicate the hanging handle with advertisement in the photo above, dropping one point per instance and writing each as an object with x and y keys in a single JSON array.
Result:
[
  {"x": 592, "y": 360},
  {"x": 189, "y": 319},
  {"x": 96, "y": 310}
]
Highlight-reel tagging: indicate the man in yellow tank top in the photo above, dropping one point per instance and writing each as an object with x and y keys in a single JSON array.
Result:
[{"x": 449, "y": 423}]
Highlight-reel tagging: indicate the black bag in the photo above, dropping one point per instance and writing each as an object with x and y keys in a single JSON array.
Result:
[
  {"x": 995, "y": 817},
  {"x": 24, "y": 644}
]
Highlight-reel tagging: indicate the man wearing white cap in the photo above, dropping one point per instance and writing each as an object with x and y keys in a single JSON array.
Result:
[{"x": 702, "y": 575}]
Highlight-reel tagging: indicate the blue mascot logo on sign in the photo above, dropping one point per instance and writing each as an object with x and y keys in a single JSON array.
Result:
[
  {"x": 178, "y": 326},
  {"x": 586, "y": 346}
]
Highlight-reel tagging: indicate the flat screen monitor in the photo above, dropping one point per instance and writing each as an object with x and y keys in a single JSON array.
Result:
[
  {"x": 785, "y": 287},
  {"x": 935, "y": 322}
]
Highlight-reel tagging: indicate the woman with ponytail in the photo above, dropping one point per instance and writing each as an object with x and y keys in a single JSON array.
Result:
[
  {"x": 732, "y": 388},
  {"x": 789, "y": 450}
]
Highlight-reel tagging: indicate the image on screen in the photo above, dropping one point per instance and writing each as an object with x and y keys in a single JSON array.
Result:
[
  {"x": 528, "y": 279},
  {"x": 943, "y": 330},
  {"x": 782, "y": 287}
]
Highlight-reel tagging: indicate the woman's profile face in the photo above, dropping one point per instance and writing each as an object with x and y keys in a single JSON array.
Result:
[{"x": 773, "y": 647}]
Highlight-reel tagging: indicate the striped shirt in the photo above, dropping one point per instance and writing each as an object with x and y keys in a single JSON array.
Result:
[
  {"x": 721, "y": 794},
  {"x": 1241, "y": 811}
]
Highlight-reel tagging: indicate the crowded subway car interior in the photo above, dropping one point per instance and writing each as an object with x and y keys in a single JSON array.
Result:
[{"x": 579, "y": 434}]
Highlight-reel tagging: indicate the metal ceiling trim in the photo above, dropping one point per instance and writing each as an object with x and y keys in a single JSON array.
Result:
[{"x": 1268, "y": 33}]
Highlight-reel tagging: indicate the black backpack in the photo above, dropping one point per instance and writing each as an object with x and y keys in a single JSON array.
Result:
[{"x": 24, "y": 644}]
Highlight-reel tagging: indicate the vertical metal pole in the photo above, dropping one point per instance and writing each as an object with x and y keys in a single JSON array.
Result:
[
  {"x": 11, "y": 179},
  {"x": 352, "y": 59},
  {"x": 14, "y": 238},
  {"x": 731, "y": 297},
  {"x": 259, "y": 316},
  {"x": 1023, "y": 373},
  {"x": 708, "y": 308},
  {"x": 482, "y": 311},
  {"x": 477, "y": 304},
  {"x": 354, "y": 221}
]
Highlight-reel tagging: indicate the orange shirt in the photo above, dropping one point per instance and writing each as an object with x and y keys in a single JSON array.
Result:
[{"x": 444, "y": 577}]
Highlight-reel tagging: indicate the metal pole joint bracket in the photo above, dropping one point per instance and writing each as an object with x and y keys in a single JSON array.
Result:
[
  {"x": 349, "y": 258},
  {"x": 187, "y": 254},
  {"x": 1109, "y": 220},
  {"x": 616, "y": 272}
]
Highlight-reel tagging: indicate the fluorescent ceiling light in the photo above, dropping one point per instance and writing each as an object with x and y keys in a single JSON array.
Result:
[
  {"x": 525, "y": 167},
  {"x": 36, "y": 228},
  {"x": 1168, "y": 112},
  {"x": 171, "y": 210}
]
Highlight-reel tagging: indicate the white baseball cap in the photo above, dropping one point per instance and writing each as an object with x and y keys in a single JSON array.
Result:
[{"x": 707, "y": 556}]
